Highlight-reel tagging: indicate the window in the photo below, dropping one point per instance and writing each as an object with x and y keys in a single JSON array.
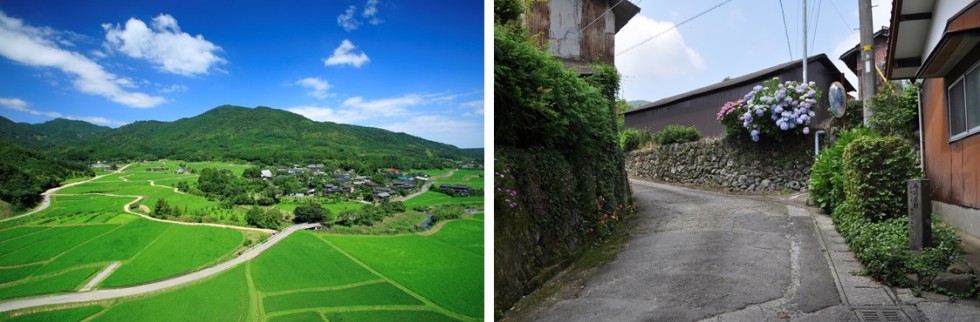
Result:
[{"x": 964, "y": 105}]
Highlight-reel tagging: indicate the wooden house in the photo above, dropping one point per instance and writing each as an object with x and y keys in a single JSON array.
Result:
[
  {"x": 938, "y": 42},
  {"x": 579, "y": 32}
]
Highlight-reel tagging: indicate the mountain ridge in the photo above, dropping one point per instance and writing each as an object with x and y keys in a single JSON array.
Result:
[{"x": 261, "y": 134}]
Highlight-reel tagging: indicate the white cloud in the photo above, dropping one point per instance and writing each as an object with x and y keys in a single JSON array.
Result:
[
  {"x": 371, "y": 12},
  {"x": 14, "y": 103},
  {"x": 35, "y": 47},
  {"x": 318, "y": 85},
  {"x": 465, "y": 134},
  {"x": 345, "y": 55},
  {"x": 164, "y": 45},
  {"x": 22, "y": 106},
  {"x": 347, "y": 20},
  {"x": 672, "y": 57},
  {"x": 175, "y": 88},
  {"x": 357, "y": 108},
  {"x": 476, "y": 106}
]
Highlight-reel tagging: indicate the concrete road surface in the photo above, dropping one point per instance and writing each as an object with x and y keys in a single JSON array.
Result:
[{"x": 694, "y": 255}]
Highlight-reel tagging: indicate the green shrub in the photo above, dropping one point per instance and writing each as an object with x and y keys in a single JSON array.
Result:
[
  {"x": 896, "y": 111},
  {"x": 875, "y": 171},
  {"x": 632, "y": 139},
  {"x": 883, "y": 246},
  {"x": 677, "y": 134},
  {"x": 827, "y": 174}
]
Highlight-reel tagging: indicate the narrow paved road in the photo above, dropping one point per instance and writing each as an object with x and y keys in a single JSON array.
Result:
[
  {"x": 47, "y": 194},
  {"x": 694, "y": 255},
  {"x": 155, "y": 286}
]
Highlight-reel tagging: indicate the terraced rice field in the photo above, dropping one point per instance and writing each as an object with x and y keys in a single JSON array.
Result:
[{"x": 315, "y": 276}]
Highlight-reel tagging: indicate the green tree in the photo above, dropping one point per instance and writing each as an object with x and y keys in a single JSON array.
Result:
[{"x": 311, "y": 212}]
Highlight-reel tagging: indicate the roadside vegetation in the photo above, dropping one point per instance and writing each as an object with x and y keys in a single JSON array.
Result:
[
  {"x": 560, "y": 185},
  {"x": 861, "y": 180}
]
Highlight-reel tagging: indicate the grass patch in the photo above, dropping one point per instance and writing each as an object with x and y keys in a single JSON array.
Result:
[
  {"x": 54, "y": 284},
  {"x": 388, "y": 316},
  {"x": 304, "y": 261},
  {"x": 81, "y": 209},
  {"x": 179, "y": 249},
  {"x": 221, "y": 298},
  {"x": 433, "y": 172},
  {"x": 51, "y": 247},
  {"x": 8, "y": 234},
  {"x": 463, "y": 234},
  {"x": 121, "y": 244},
  {"x": 297, "y": 317},
  {"x": 8, "y": 275},
  {"x": 402, "y": 223},
  {"x": 365, "y": 295},
  {"x": 72, "y": 314},
  {"x": 447, "y": 275},
  {"x": 6, "y": 210},
  {"x": 74, "y": 179},
  {"x": 431, "y": 198},
  {"x": 472, "y": 178},
  {"x": 12, "y": 245}
]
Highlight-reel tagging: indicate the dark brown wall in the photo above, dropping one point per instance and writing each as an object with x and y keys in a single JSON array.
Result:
[
  {"x": 952, "y": 167},
  {"x": 595, "y": 43},
  {"x": 701, "y": 111}
]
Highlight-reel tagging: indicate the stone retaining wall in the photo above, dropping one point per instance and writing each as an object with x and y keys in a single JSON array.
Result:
[{"x": 725, "y": 164}]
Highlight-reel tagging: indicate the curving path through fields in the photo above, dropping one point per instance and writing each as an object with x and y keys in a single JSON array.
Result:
[
  {"x": 47, "y": 194},
  {"x": 155, "y": 286}
]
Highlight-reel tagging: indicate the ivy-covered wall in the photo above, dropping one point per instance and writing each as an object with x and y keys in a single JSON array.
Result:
[
  {"x": 560, "y": 185},
  {"x": 726, "y": 164}
]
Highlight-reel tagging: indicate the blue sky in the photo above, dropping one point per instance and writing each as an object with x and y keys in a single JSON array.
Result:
[
  {"x": 738, "y": 38},
  {"x": 406, "y": 66}
]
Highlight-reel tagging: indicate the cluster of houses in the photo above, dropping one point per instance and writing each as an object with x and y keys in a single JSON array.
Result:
[
  {"x": 103, "y": 166},
  {"x": 338, "y": 181}
]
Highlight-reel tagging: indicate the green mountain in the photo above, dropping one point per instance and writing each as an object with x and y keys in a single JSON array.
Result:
[
  {"x": 266, "y": 135},
  {"x": 49, "y": 134}
]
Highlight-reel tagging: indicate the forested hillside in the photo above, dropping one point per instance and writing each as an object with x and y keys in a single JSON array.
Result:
[
  {"x": 260, "y": 134},
  {"x": 25, "y": 174}
]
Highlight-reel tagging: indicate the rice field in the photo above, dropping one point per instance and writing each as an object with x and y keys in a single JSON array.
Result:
[{"x": 432, "y": 198}]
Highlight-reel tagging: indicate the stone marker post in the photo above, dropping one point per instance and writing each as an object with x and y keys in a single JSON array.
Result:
[{"x": 920, "y": 214}]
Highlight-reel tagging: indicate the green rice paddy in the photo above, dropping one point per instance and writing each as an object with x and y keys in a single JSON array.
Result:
[
  {"x": 308, "y": 276},
  {"x": 432, "y": 198}
]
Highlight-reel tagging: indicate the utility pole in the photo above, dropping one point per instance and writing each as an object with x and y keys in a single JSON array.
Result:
[
  {"x": 805, "y": 58},
  {"x": 868, "y": 87}
]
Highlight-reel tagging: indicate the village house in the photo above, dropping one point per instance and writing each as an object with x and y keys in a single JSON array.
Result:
[
  {"x": 853, "y": 60},
  {"x": 699, "y": 108},
  {"x": 460, "y": 190},
  {"x": 266, "y": 174},
  {"x": 938, "y": 42},
  {"x": 579, "y": 32}
]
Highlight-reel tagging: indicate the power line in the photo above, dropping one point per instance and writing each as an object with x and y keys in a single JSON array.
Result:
[
  {"x": 816, "y": 23},
  {"x": 600, "y": 16},
  {"x": 841, "y": 16},
  {"x": 674, "y": 27},
  {"x": 786, "y": 30}
]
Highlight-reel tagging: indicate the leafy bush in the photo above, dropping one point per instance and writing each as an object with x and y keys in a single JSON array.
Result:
[
  {"x": 875, "y": 171},
  {"x": 896, "y": 111},
  {"x": 773, "y": 109},
  {"x": 677, "y": 134},
  {"x": 827, "y": 174},
  {"x": 632, "y": 139},
  {"x": 883, "y": 246},
  {"x": 311, "y": 213}
]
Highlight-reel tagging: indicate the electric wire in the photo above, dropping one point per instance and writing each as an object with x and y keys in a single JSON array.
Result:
[
  {"x": 674, "y": 27},
  {"x": 786, "y": 30}
]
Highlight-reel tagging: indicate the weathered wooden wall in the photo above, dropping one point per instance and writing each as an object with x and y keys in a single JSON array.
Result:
[
  {"x": 559, "y": 23},
  {"x": 953, "y": 167}
]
